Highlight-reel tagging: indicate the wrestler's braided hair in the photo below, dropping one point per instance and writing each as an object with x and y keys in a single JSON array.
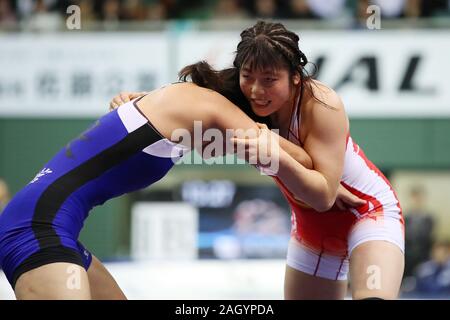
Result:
[{"x": 262, "y": 44}]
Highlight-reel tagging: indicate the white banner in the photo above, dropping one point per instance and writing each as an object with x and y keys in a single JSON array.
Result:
[
  {"x": 77, "y": 74},
  {"x": 164, "y": 230},
  {"x": 378, "y": 73}
]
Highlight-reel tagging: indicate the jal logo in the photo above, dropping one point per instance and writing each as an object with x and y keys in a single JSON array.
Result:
[{"x": 367, "y": 72}]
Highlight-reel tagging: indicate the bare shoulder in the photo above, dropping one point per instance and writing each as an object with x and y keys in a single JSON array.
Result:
[
  {"x": 218, "y": 110},
  {"x": 324, "y": 108},
  {"x": 325, "y": 95},
  {"x": 188, "y": 91},
  {"x": 201, "y": 103}
]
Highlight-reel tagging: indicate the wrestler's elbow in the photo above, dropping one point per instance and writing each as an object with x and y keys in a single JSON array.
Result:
[
  {"x": 324, "y": 202},
  {"x": 323, "y": 206}
]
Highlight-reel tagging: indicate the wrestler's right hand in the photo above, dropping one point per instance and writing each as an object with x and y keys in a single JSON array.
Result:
[
  {"x": 124, "y": 97},
  {"x": 346, "y": 200}
]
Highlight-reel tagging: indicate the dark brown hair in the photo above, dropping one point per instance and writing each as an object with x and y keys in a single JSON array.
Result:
[
  {"x": 225, "y": 82},
  {"x": 266, "y": 45}
]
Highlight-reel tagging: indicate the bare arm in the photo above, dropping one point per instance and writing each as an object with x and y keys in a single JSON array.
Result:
[
  {"x": 325, "y": 143},
  {"x": 298, "y": 153},
  {"x": 295, "y": 151}
]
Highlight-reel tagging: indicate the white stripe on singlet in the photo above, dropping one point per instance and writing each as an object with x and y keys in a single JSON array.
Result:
[
  {"x": 294, "y": 126},
  {"x": 132, "y": 119}
]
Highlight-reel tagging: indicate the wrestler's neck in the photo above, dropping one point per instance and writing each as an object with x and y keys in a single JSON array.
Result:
[{"x": 282, "y": 117}]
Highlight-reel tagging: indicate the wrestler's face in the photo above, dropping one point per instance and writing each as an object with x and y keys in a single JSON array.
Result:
[{"x": 268, "y": 90}]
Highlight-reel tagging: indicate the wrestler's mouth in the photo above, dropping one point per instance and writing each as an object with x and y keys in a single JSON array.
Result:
[{"x": 261, "y": 103}]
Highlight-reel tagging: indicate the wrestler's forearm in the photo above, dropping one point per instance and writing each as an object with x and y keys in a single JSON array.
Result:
[
  {"x": 308, "y": 185},
  {"x": 298, "y": 153}
]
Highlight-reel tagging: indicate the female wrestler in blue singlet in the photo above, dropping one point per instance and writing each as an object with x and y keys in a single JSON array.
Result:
[{"x": 125, "y": 150}]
